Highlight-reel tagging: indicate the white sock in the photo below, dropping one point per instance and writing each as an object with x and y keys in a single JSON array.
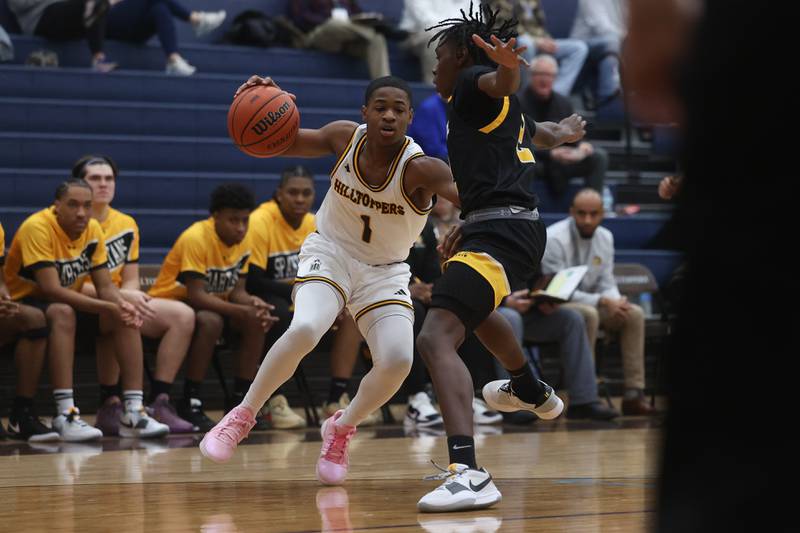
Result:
[
  {"x": 64, "y": 400},
  {"x": 133, "y": 400},
  {"x": 391, "y": 342},
  {"x": 316, "y": 305}
]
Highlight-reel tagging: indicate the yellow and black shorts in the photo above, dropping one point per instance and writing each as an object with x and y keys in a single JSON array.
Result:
[{"x": 497, "y": 257}]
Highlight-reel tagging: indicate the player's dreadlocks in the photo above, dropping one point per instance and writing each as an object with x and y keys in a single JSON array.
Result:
[{"x": 480, "y": 21}]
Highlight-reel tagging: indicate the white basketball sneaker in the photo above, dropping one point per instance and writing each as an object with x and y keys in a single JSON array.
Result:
[
  {"x": 464, "y": 488},
  {"x": 138, "y": 424},
  {"x": 421, "y": 412},
  {"x": 500, "y": 396},
  {"x": 481, "y": 414},
  {"x": 72, "y": 429}
]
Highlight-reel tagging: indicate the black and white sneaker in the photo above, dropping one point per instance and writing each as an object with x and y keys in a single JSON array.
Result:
[
  {"x": 23, "y": 424},
  {"x": 192, "y": 412},
  {"x": 463, "y": 489},
  {"x": 501, "y": 397},
  {"x": 421, "y": 412}
]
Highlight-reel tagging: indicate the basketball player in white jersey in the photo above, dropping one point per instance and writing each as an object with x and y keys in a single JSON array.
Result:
[{"x": 382, "y": 188}]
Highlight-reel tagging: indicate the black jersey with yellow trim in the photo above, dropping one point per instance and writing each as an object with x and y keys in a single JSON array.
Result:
[{"x": 489, "y": 146}]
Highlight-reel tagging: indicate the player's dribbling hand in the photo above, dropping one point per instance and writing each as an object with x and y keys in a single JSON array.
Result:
[
  {"x": 574, "y": 128},
  {"x": 502, "y": 53},
  {"x": 258, "y": 80},
  {"x": 450, "y": 244}
]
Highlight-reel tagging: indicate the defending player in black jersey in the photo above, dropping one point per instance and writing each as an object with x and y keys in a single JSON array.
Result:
[{"x": 502, "y": 240}]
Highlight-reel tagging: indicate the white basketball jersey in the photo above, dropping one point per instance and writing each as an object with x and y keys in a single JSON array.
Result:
[{"x": 375, "y": 224}]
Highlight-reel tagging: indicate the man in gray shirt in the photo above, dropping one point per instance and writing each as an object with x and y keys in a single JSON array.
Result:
[{"x": 579, "y": 240}]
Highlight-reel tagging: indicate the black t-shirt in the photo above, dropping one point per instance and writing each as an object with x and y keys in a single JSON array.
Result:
[
  {"x": 423, "y": 259},
  {"x": 554, "y": 109},
  {"x": 489, "y": 146}
]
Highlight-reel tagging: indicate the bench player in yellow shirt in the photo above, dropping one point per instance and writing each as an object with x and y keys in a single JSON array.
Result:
[
  {"x": 26, "y": 328},
  {"x": 52, "y": 255},
  {"x": 170, "y": 321},
  {"x": 207, "y": 268}
]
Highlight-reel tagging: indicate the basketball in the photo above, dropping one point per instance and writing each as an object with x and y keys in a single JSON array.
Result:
[{"x": 263, "y": 121}]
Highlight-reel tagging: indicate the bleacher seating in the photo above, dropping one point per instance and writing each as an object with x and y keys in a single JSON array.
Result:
[{"x": 169, "y": 136}]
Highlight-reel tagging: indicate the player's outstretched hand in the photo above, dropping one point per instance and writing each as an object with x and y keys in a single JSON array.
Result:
[
  {"x": 502, "y": 53},
  {"x": 574, "y": 128},
  {"x": 258, "y": 80},
  {"x": 450, "y": 244}
]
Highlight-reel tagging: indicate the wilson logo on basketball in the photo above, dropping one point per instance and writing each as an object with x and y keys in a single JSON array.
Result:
[{"x": 271, "y": 118}]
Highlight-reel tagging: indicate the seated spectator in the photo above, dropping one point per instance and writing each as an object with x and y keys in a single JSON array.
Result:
[
  {"x": 66, "y": 20},
  {"x": 138, "y": 20},
  {"x": 602, "y": 24},
  {"x": 418, "y": 16},
  {"x": 423, "y": 260},
  {"x": 278, "y": 228},
  {"x": 330, "y": 28},
  {"x": 207, "y": 268},
  {"x": 170, "y": 321},
  {"x": 545, "y": 323},
  {"x": 558, "y": 165},
  {"x": 579, "y": 240},
  {"x": 429, "y": 128},
  {"x": 52, "y": 255},
  {"x": 570, "y": 53},
  {"x": 25, "y": 327},
  {"x": 425, "y": 267}
]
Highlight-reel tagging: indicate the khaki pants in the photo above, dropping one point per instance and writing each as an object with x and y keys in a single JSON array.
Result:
[
  {"x": 418, "y": 45},
  {"x": 353, "y": 39},
  {"x": 631, "y": 333}
]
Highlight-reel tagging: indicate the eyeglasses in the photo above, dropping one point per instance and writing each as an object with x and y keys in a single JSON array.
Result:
[{"x": 547, "y": 74}]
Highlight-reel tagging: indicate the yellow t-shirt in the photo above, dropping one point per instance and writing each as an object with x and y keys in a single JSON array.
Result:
[
  {"x": 200, "y": 253},
  {"x": 276, "y": 244},
  {"x": 40, "y": 242},
  {"x": 122, "y": 242}
]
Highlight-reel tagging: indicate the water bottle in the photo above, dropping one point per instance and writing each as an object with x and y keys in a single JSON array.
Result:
[
  {"x": 646, "y": 303},
  {"x": 608, "y": 202}
]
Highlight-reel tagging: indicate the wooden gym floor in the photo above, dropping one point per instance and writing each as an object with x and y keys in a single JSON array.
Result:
[{"x": 554, "y": 476}]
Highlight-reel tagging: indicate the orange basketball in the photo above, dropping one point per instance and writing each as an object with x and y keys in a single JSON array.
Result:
[{"x": 263, "y": 121}]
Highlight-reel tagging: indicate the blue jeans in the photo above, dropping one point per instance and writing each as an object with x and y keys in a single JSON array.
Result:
[
  {"x": 566, "y": 327},
  {"x": 570, "y": 54},
  {"x": 602, "y": 67},
  {"x": 138, "y": 20}
]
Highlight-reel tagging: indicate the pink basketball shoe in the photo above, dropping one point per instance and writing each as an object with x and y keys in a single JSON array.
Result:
[
  {"x": 220, "y": 443},
  {"x": 333, "y": 459}
]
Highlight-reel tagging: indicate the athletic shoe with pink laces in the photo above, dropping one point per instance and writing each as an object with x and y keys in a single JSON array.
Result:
[
  {"x": 220, "y": 443},
  {"x": 333, "y": 459}
]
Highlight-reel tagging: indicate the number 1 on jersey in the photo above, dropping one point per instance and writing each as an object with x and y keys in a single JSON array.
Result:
[{"x": 366, "y": 235}]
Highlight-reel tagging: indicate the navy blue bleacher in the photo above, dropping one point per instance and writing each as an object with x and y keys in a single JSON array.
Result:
[
  {"x": 559, "y": 16},
  {"x": 169, "y": 134}
]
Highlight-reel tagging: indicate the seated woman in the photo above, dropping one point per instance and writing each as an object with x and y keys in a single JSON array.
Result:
[
  {"x": 168, "y": 320},
  {"x": 138, "y": 20}
]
